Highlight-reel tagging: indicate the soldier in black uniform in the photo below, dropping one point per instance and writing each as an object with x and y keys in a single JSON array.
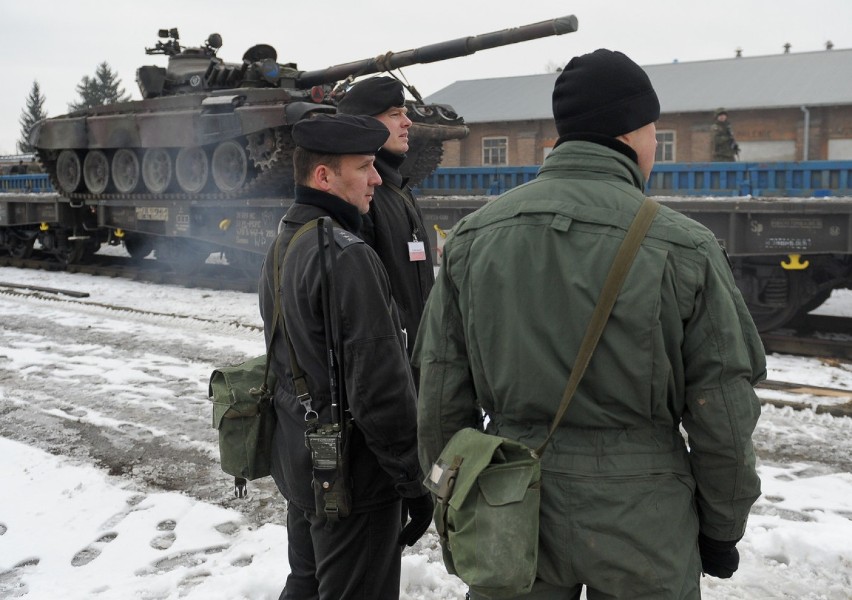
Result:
[
  {"x": 359, "y": 555},
  {"x": 394, "y": 224}
]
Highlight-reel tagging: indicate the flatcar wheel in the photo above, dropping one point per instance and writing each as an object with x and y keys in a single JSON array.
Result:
[
  {"x": 138, "y": 246},
  {"x": 125, "y": 171},
  {"x": 69, "y": 171},
  {"x": 192, "y": 169},
  {"x": 248, "y": 262},
  {"x": 779, "y": 301},
  {"x": 157, "y": 170},
  {"x": 72, "y": 253},
  {"x": 21, "y": 248},
  {"x": 230, "y": 166},
  {"x": 96, "y": 171},
  {"x": 183, "y": 256}
]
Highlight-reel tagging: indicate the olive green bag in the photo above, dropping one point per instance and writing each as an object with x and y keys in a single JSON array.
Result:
[
  {"x": 245, "y": 418},
  {"x": 488, "y": 488},
  {"x": 488, "y": 525}
]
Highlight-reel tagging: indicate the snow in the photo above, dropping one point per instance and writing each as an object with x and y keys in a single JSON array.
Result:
[{"x": 95, "y": 392}]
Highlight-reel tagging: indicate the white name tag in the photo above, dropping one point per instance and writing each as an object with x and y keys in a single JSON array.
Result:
[{"x": 416, "y": 251}]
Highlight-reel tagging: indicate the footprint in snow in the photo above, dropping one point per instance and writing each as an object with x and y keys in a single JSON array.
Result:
[
  {"x": 11, "y": 583},
  {"x": 93, "y": 550},
  {"x": 164, "y": 541}
]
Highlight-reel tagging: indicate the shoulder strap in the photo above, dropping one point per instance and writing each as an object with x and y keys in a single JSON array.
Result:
[
  {"x": 614, "y": 280},
  {"x": 278, "y": 315}
]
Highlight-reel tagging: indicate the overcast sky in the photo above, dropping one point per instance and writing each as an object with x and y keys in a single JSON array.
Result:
[{"x": 65, "y": 40}]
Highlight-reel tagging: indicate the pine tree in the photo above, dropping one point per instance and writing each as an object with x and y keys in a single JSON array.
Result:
[
  {"x": 34, "y": 112},
  {"x": 102, "y": 89}
]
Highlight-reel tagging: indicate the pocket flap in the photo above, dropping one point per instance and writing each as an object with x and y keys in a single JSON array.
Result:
[{"x": 506, "y": 484}]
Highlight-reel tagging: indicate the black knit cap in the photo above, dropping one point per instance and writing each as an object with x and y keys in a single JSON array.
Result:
[
  {"x": 340, "y": 134},
  {"x": 603, "y": 92},
  {"x": 372, "y": 96}
]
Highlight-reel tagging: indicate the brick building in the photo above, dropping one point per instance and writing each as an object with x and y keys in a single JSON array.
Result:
[{"x": 784, "y": 107}]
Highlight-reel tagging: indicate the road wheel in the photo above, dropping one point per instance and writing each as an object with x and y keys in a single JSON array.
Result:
[
  {"x": 192, "y": 169},
  {"x": 96, "y": 171},
  {"x": 125, "y": 171},
  {"x": 69, "y": 171},
  {"x": 157, "y": 170},
  {"x": 230, "y": 166}
]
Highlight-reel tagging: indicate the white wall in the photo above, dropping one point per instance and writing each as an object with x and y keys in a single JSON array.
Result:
[
  {"x": 840, "y": 149},
  {"x": 767, "y": 151}
]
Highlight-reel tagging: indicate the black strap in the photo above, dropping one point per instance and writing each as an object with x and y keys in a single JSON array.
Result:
[
  {"x": 614, "y": 280},
  {"x": 302, "y": 393},
  {"x": 331, "y": 317}
]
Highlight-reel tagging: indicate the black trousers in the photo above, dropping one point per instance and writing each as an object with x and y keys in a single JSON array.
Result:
[{"x": 356, "y": 558}]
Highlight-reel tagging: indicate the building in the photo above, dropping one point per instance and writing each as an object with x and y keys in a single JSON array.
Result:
[{"x": 784, "y": 107}]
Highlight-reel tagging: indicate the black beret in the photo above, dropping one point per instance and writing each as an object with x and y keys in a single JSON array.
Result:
[
  {"x": 603, "y": 92},
  {"x": 372, "y": 96},
  {"x": 340, "y": 134}
]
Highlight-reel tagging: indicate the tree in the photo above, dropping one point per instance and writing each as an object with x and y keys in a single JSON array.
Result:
[
  {"x": 34, "y": 112},
  {"x": 102, "y": 89}
]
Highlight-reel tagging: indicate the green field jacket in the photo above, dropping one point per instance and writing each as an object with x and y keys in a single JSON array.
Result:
[{"x": 679, "y": 355}]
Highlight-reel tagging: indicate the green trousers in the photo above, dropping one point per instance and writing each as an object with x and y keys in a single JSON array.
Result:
[{"x": 623, "y": 538}]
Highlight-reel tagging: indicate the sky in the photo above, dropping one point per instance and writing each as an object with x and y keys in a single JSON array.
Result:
[
  {"x": 61, "y": 42},
  {"x": 69, "y": 529}
]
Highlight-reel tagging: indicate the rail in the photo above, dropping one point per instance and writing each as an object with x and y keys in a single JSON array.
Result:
[
  {"x": 770, "y": 179},
  {"x": 35, "y": 183},
  {"x": 808, "y": 179}
]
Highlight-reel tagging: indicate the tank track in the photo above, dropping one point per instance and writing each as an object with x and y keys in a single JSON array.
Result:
[{"x": 272, "y": 178}]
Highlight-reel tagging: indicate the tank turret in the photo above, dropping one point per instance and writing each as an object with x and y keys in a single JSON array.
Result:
[{"x": 206, "y": 129}]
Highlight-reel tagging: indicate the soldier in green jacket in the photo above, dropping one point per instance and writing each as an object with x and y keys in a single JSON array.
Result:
[
  {"x": 649, "y": 479},
  {"x": 725, "y": 147}
]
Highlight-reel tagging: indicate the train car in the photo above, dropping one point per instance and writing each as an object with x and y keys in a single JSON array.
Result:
[{"x": 787, "y": 254}]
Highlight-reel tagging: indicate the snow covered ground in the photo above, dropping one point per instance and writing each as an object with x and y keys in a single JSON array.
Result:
[{"x": 111, "y": 490}]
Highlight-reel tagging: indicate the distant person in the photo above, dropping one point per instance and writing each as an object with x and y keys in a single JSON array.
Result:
[
  {"x": 725, "y": 147},
  {"x": 394, "y": 227},
  {"x": 628, "y": 509},
  {"x": 357, "y": 556}
]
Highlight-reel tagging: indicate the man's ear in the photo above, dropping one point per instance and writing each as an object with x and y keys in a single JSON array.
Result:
[
  {"x": 627, "y": 138},
  {"x": 320, "y": 177}
]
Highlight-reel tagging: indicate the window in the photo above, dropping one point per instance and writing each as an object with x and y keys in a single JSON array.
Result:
[
  {"x": 495, "y": 151},
  {"x": 665, "y": 146}
]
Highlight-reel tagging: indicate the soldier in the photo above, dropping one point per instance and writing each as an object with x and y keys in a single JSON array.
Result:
[
  {"x": 394, "y": 224},
  {"x": 725, "y": 148},
  {"x": 626, "y": 510},
  {"x": 359, "y": 555}
]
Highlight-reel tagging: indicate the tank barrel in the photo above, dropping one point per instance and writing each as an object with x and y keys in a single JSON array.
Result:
[{"x": 440, "y": 51}]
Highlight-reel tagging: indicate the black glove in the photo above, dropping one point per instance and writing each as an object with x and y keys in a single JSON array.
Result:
[
  {"x": 419, "y": 511},
  {"x": 718, "y": 559}
]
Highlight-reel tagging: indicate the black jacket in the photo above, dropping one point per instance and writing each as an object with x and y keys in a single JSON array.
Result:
[
  {"x": 376, "y": 380},
  {"x": 394, "y": 220}
]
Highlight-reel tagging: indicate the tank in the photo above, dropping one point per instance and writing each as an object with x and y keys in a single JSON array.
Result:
[{"x": 206, "y": 129}]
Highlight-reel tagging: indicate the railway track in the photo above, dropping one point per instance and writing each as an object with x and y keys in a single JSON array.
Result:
[
  {"x": 208, "y": 276},
  {"x": 813, "y": 335}
]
